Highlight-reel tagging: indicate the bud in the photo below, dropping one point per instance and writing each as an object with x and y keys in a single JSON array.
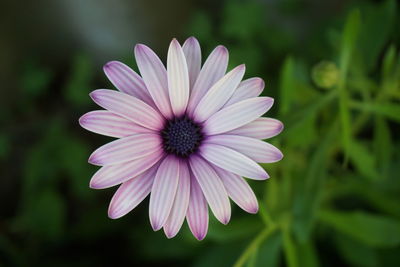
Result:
[{"x": 325, "y": 74}]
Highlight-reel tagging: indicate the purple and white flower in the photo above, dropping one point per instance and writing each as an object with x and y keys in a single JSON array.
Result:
[{"x": 187, "y": 134}]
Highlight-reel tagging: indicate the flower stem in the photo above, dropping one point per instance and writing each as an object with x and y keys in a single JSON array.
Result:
[{"x": 254, "y": 244}]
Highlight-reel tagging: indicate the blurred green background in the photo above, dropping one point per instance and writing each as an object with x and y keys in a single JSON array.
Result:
[{"x": 333, "y": 68}]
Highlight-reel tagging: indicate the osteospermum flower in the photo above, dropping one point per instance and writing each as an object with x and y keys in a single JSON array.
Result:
[{"x": 186, "y": 135}]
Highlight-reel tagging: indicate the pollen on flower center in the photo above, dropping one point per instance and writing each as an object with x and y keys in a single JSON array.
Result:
[{"x": 181, "y": 136}]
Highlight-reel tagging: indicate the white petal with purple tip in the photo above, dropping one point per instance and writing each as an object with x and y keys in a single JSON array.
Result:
[
  {"x": 192, "y": 51},
  {"x": 154, "y": 76},
  {"x": 212, "y": 187},
  {"x": 131, "y": 193},
  {"x": 127, "y": 81},
  {"x": 237, "y": 115},
  {"x": 218, "y": 94},
  {"x": 255, "y": 149},
  {"x": 163, "y": 192},
  {"x": 128, "y": 107},
  {"x": 181, "y": 202},
  {"x": 232, "y": 161},
  {"x": 126, "y": 149},
  {"x": 178, "y": 78},
  {"x": 107, "y": 123},
  {"x": 239, "y": 190},
  {"x": 112, "y": 175},
  {"x": 197, "y": 213},
  {"x": 261, "y": 128},
  {"x": 247, "y": 89},
  {"x": 213, "y": 69}
]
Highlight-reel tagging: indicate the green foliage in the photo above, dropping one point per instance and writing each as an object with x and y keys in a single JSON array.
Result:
[
  {"x": 323, "y": 130},
  {"x": 78, "y": 85},
  {"x": 332, "y": 201},
  {"x": 369, "y": 229},
  {"x": 35, "y": 79}
]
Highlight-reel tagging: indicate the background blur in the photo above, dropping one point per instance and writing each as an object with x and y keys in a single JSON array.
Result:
[{"x": 333, "y": 68}]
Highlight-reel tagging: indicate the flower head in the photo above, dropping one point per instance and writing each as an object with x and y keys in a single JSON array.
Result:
[{"x": 186, "y": 135}]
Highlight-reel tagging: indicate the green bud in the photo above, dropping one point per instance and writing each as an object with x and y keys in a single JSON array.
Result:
[{"x": 325, "y": 74}]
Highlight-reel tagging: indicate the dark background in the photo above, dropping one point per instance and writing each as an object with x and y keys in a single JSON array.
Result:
[{"x": 333, "y": 68}]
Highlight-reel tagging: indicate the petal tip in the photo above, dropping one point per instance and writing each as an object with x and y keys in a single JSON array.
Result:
[
  {"x": 264, "y": 175},
  {"x": 109, "y": 65},
  {"x": 94, "y": 160},
  {"x": 200, "y": 236},
  {"x": 241, "y": 67},
  {"x": 261, "y": 82},
  {"x": 82, "y": 120},
  {"x": 140, "y": 48},
  {"x": 225, "y": 220},
  {"x": 192, "y": 40},
  {"x": 113, "y": 215},
  {"x": 222, "y": 49},
  {"x": 280, "y": 126},
  {"x": 95, "y": 94},
  {"x": 253, "y": 209},
  {"x": 169, "y": 234},
  {"x": 155, "y": 225},
  {"x": 94, "y": 185}
]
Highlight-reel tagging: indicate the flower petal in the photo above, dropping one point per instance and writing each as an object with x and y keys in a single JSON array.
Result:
[
  {"x": 192, "y": 51},
  {"x": 107, "y": 123},
  {"x": 213, "y": 70},
  {"x": 197, "y": 213},
  {"x": 126, "y": 149},
  {"x": 131, "y": 193},
  {"x": 255, "y": 149},
  {"x": 212, "y": 187},
  {"x": 178, "y": 78},
  {"x": 108, "y": 176},
  {"x": 261, "y": 128},
  {"x": 154, "y": 76},
  {"x": 127, "y": 81},
  {"x": 128, "y": 107},
  {"x": 163, "y": 192},
  {"x": 239, "y": 190},
  {"x": 181, "y": 202},
  {"x": 237, "y": 115},
  {"x": 247, "y": 89},
  {"x": 218, "y": 94},
  {"x": 232, "y": 161}
]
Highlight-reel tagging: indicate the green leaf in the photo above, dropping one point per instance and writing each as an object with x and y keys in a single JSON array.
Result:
[
  {"x": 287, "y": 85},
  {"x": 237, "y": 229},
  {"x": 269, "y": 251},
  {"x": 382, "y": 143},
  {"x": 309, "y": 256},
  {"x": 296, "y": 119},
  {"x": 349, "y": 38},
  {"x": 388, "y": 109},
  {"x": 356, "y": 253},
  {"x": 348, "y": 43},
  {"x": 376, "y": 29},
  {"x": 363, "y": 159},
  {"x": 289, "y": 247},
  {"x": 371, "y": 229},
  {"x": 389, "y": 62},
  {"x": 308, "y": 193}
]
